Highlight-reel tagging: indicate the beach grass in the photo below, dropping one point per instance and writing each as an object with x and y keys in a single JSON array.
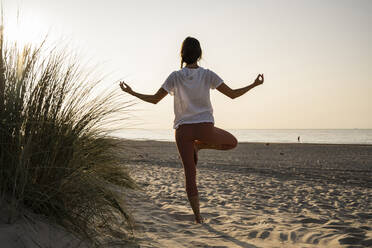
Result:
[{"x": 55, "y": 157}]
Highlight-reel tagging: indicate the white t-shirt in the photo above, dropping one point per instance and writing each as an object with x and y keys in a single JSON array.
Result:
[{"x": 190, "y": 88}]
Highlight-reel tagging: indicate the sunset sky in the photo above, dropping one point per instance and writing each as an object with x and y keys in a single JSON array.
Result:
[{"x": 316, "y": 55}]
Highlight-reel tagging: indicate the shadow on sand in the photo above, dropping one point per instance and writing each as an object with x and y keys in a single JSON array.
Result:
[{"x": 227, "y": 237}]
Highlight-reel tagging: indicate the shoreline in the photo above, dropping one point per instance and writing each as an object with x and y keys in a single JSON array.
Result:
[
  {"x": 312, "y": 136},
  {"x": 257, "y": 142}
]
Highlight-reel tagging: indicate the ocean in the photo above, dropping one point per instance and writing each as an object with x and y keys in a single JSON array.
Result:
[{"x": 322, "y": 136}]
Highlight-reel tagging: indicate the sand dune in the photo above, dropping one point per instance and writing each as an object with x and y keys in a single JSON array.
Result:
[
  {"x": 33, "y": 231},
  {"x": 259, "y": 195}
]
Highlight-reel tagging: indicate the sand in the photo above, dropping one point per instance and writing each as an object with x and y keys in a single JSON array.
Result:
[
  {"x": 29, "y": 230},
  {"x": 257, "y": 195}
]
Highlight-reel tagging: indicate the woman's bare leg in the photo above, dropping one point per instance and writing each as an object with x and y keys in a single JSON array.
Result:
[
  {"x": 185, "y": 145},
  {"x": 190, "y": 138},
  {"x": 202, "y": 145},
  {"x": 210, "y": 137}
]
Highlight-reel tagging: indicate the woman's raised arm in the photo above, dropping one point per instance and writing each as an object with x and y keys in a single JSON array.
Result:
[
  {"x": 226, "y": 90},
  {"x": 160, "y": 94}
]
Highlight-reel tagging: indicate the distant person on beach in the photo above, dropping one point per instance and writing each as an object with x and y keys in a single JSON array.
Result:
[
  {"x": 194, "y": 122},
  {"x": 298, "y": 138}
]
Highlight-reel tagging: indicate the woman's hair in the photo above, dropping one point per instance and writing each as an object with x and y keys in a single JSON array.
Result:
[{"x": 190, "y": 51}]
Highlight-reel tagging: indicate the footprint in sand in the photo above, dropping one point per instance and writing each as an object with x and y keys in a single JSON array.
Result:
[
  {"x": 265, "y": 234},
  {"x": 283, "y": 236},
  {"x": 253, "y": 234},
  {"x": 350, "y": 240},
  {"x": 293, "y": 236}
]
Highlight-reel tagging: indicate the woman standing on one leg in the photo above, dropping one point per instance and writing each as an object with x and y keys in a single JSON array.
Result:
[{"x": 194, "y": 122}]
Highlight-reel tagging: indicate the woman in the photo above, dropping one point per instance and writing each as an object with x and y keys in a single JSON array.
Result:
[{"x": 194, "y": 122}]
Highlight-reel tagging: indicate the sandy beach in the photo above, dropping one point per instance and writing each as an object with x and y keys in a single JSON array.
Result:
[{"x": 257, "y": 195}]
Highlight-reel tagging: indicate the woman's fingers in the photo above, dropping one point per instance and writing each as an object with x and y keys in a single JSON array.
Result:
[
  {"x": 123, "y": 86},
  {"x": 260, "y": 79}
]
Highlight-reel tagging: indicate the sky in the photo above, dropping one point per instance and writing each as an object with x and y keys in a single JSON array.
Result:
[{"x": 316, "y": 55}]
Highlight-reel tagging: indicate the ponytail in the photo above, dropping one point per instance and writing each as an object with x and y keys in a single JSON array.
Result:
[{"x": 190, "y": 51}]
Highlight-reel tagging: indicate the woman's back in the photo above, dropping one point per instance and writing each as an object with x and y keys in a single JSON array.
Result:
[{"x": 190, "y": 88}]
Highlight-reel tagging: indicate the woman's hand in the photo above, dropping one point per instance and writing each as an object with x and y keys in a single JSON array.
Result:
[
  {"x": 160, "y": 94},
  {"x": 259, "y": 80},
  {"x": 125, "y": 87}
]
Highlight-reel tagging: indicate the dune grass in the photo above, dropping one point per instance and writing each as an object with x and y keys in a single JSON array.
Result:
[{"x": 55, "y": 157}]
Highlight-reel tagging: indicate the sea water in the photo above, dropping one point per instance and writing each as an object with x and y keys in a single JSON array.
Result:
[{"x": 324, "y": 136}]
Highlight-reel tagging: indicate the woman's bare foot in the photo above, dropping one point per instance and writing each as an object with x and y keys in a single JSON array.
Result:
[
  {"x": 194, "y": 202},
  {"x": 199, "y": 219}
]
